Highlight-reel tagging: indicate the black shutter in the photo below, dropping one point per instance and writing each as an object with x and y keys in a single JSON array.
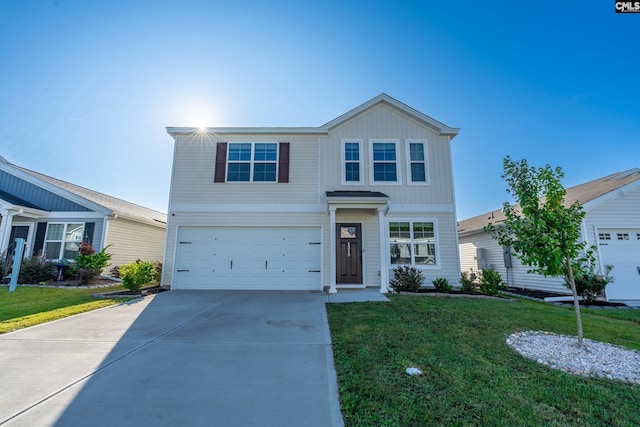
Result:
[
  {"x": 39, "y": 244},
  {"x": 89, "y": 227},
  {"x": 283, "y": 162},
  {"x": 221, "y": 162}
]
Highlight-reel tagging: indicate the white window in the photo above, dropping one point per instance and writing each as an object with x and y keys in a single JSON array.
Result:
[
  {"x": 252, "y": 161},
  {"x": 352, "y": 161},
  {"x": 384, "y": 161},
  {"x": 623, "y": 236},
  {"x": 62, "y": 239},
  {"x": 604, "y": 236},
  {"x": 417, "y": 163},
  {"x": 413, "y": 243}
]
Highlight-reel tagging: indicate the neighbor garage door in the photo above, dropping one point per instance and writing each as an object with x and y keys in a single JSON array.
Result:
[
  {"x": 273, "y": 258},
  {"x": 621, "y": 249}
]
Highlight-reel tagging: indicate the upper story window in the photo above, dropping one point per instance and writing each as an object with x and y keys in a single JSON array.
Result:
[
  {"x": 62, "y": 239},
  {"x": 252, "y": 161},
  {"x": 384, "y": 161},
  {"x": 352, "y": 161},
  {"x": 417, "y": 171}
]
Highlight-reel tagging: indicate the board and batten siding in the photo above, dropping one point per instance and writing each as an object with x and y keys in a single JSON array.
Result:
[
  {"x": 194, "y": 165},
  {"x": 132, "y": 240},
  {"x": 384, "y": 122},
  {"x": 255, "y": 218}
]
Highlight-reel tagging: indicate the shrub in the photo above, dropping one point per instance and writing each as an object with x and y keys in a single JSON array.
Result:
[
  {"x": 90, "y": 263},
  {"x": 157, "y": 271},
  {"x": 136, "y": 274},
  {"x": 442, "y": 285},
  {"x": 115, "y": 271},
  {"x": 35, "y": 270},
  {"x": 589, "y": 283},
  {"x": 468, "y": 281},
  {"x": 490, "y": 282},
  {"x": 406, "y": 279}
]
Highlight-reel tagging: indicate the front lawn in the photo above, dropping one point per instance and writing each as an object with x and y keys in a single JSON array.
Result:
[
  {"x": 471, "y": 377},
  {"x": 29, "y": 306}
]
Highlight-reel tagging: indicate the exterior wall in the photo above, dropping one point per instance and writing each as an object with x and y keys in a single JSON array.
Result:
[
  {"x": 383, "y": 122},
  {"x": 194, "y": 165},
  {"x": 516, "y": 277},
  {"x": 131, "y": 240}
]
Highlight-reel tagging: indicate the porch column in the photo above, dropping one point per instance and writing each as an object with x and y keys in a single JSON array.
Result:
[
  {"x": 384, "y": 270},
  {"x": 5, "y": 229},
  {"x": 332, "y": 250}
]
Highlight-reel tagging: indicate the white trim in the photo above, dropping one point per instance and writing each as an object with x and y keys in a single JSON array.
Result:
[
  {"x": 74, "y": 215},
  {"x": 246, "y": 207},
  {"x": 613, "y": 194},
  {"x": 436, "y": 237},
  {"x": 212, "y": 131},
  {"x": 343, "y": 161},
  {"x": 332, "y": 250},
  {"x": 383, "y": 236},
  {"x": 28, "y": 241},
  {"x": 396, "y": 142},
  {"x": 425, "y": 162}
]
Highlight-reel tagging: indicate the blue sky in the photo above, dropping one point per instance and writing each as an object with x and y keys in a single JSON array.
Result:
[{"x": 88, "y": 87}]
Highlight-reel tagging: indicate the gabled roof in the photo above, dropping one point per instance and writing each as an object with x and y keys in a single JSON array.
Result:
[
  {"x": 588, "y": 195},
  {"x": 114, "y": 205},
  {"x": 437, "y": 126}
]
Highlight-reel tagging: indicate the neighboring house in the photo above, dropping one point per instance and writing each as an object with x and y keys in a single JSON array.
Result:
[
  {"x": 611, "y": 224},
  {"x": 307, "y": 208},
  {"x": 53, "y": 216}
]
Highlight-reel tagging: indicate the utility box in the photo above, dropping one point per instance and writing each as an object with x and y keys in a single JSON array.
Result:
[{"x": 506, "y": 253}]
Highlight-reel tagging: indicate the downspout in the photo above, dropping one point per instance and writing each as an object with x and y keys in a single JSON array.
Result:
[{"x": 104, "y": 229}]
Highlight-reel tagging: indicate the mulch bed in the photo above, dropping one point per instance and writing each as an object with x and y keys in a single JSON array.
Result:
[
  {"x": 541, "y": 295},
  {"x": 454, "y": 293},
  {"x": 151, "y": 290}
]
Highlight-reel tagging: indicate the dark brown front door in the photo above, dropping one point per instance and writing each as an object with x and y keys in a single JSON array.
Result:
[{"x": 348, "y": 254}]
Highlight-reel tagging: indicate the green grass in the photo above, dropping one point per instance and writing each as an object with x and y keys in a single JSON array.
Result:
[
  {"x": 471, "y": 377},
  {"x": 29, "y": 306}
]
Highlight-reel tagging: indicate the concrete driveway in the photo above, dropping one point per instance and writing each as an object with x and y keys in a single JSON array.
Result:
[{"x": 180, "y": 358}]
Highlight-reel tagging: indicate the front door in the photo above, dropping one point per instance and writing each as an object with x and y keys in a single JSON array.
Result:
[
  {"x": 349, "y": 254},
  {"x": 17, "y": 231}
]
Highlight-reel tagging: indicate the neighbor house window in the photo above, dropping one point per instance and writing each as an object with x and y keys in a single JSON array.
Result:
[
  {"x": 412, "y": 243},
  {"x": 62, "y": 239},
  {"x": 417, "y": 172},
  {"x": 351, "y": 160},
  {"x": 384, "y": 161},
  {"x": 252, "y": 161}
]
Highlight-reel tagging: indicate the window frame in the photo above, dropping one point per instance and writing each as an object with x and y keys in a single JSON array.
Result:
[
  {"x": 252, "y": 161},
  {"x": 425, "y": 162},
  {"x": 344, "y": 161},
  {"x": 412, "y": 242},
  {"x": 397, "y": 161},
  {"x": 62, "y": 241}
]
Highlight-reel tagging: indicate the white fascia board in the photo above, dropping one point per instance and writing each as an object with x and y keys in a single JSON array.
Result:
[
  {"x": 54, "y": 189},
  {"x": 74, "y": 215},
  {"x": 147, "y": 221},
  {"x": 175, "y": 131},
  {"x": 421, "y": 208},
  {"x": 246, "y": 207},
  {"x": 618, "y": 192}
]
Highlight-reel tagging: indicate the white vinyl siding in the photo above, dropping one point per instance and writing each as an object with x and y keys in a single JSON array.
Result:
[{"x": 131, "y": 240}]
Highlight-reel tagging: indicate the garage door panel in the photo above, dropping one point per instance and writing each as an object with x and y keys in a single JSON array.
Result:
[
  {"x": 621, "y": 249},
  {"x": 248, "y": 258}
]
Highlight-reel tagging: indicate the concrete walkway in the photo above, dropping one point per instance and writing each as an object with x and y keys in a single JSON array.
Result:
[{"x": 180, "y": 358}]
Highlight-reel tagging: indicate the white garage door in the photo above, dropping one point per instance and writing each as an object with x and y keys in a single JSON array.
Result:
[
  {"x": 621, "y": 248},
  {"x": 269, "y": 258}
]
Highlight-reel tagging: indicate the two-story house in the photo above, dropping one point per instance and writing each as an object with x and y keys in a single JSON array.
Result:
[{"x": 308, "y": 208}]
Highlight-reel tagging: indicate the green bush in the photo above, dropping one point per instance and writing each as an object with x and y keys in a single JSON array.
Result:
[
  {"x": 90, "y": 263},
  {"x": 35, "y": 270},
  {"x": 468, "y": 282},
  {"x": 157, "y": 271},
  {"x": 589, "y": 283},
  {"x": 490, "y": 282},
  {"x": 136, "y": 274},
  {"x": 406, "y": 279},
  {"x": 442, "y": 285}
]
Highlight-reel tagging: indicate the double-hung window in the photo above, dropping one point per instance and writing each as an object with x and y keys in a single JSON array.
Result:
[
  {"x": 62, "y": 239},
  {"x": 352, "y": 161},
  {"x": 384, "y": 161},
  {"x": 252, "y": 161},
  {"x": 417, "y": 171},
  {"x": 413, "y": 243}
]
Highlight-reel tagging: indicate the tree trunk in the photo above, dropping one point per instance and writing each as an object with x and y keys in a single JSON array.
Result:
[{"x": 576, "y": 303}]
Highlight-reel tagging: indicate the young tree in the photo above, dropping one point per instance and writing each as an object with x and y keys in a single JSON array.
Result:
[{"x": 542, "y": 231}]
